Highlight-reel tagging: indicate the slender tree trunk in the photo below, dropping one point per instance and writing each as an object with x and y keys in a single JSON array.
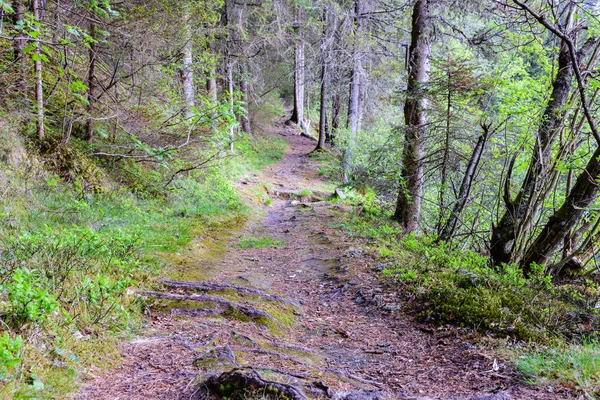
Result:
[
  {"x": 324, "y": 83},
  {"x": 18, "y": 46},
  {"x": 449, "y": 227},
  {"x": 187, "y": 75},
  {"x": 298, "y": 111},
  {"x": 446, "y": 156},
  {"x": 39, "y": 88},
  {"x": 211, "y": 82},
  {"x": 354, "y": 96},
  {"x": 246, "y": 126},
  {"x": 231, "y": 102},
  {"x": 323, "y": 108},
  {"x": 336, "y": 113},
  {"x": 91, "y": 82},
  {"x": 408, "y": 207}
]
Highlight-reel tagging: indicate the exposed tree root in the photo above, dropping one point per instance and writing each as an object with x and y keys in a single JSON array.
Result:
[
  {"x": 248, "y": 311},
  {"x": 242, "y": 381},
  {"x": 208, "y": 286},
  {"x": 314, "y": 196}
]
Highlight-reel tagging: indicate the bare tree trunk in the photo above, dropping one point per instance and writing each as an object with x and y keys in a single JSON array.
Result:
[
  {"x": 91, "y": 82},
  {"x": 336, "y": 113},
  {"x": 323, "y": 108},
  {"x": 18, "y": 46},
  {"x": 298, "y": 111},
  {"x": 408, "y": 207},
  {"x": 211, "y": 82},
  {"x": 187, "y": 74},
  {"x": 246, "y": 127},
  {"x": 324, "y": 82},
  {"x": 39, "y": 88},
  {"x": 231, "y": 101},
  {"x": 354, "y": 96},
  {"x": 449, "y": 227}
]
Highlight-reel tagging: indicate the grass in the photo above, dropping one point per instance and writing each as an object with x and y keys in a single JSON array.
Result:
[
  {"x": 304, "y": 193},
  {"x": 71, "y": 258},
  {"x": 576, "y": 365},
  {"x": 259, "y": 242}
]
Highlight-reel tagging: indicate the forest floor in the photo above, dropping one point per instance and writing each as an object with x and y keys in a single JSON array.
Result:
[{"x": 293, "y": 299}]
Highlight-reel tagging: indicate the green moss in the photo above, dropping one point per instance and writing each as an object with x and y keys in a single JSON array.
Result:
[{"x": 259, "y": 242}]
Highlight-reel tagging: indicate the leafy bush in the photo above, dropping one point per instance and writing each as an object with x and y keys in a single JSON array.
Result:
[
  {"x": 10, "y": 353},
  {"x": 459, "y": 287},
  {"x": 28, "y": 301}
]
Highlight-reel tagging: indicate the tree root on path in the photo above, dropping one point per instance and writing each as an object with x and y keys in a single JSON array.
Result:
[
  {"x": 246, "y": 381},
  {"x": 208, "y": 286},
  {"x": 248, "y": 311}
]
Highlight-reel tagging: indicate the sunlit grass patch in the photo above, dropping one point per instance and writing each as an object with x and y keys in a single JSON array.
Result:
[
  {"x": 575, "y": 364},
  {"x": 259, "y": 242}
]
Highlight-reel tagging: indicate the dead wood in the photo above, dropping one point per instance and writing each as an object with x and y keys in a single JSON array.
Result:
[
  {"x": 208, "y": 286},
  {"x": 248, "y": 311}
]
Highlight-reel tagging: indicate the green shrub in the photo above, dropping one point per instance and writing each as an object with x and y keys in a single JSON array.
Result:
[
  {"x": 27, "y": 300},
  {"x": 10, "y": 353}
]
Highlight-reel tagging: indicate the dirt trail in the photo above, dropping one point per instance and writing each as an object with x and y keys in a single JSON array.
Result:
[{"x": 341, "y": 327}]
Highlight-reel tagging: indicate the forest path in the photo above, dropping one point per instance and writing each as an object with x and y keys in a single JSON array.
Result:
[{"x": 307, "y": 309}]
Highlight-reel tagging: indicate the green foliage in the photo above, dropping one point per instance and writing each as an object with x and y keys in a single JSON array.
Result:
[
  {"x": 459, "y": 287},
  {"x": 576, "y": 364},
  {"x": 259, "y": 242},
  {"x": 10, "y": 353},
  {"x": 28, "y": 301}
]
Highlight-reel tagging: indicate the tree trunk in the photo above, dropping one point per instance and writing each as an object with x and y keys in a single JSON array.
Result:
[
  {"x": 231, "y": 101},
  {"x": 323, "y": 108},
  {"x": 245, "y": 98},
  {"x": 511, "y": 227},
  {"x": 336, "y": 113},
  {"x": 211, "y": 82},
  {"x": 18, "y": 46},
  {"x": 408, "y": 207},
  {"x": 354, "y": 96},
  {"x": 580, "y": 198},
  {"x": 91, "y": 82},
  {"x": 298, "y": 112},
  {"x": 449, "y": 227},
  {"x": 39, "y": 88},
  {"x": 187, "y": 74}
]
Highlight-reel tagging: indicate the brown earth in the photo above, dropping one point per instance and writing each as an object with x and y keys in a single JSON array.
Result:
[{"x": 343, "y": 328}]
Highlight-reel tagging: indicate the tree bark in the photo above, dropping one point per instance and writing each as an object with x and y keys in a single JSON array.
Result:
[
  {"x": 18, "y": 47},
  {"x": 336, "y": 113},
  {"x": 354, "y": 96},
  {"x": 512, "y": 226},
  {"x": 449, "y": 227},
  {"x": 187, "y": 74},
  {"x": 298, "y": 111},
  {"x": 39, "y": 86},
  {"x": 408, "y": 207},
  {"x": 91, "y": 83},
  {"x": 580, "y": 198},
  {"x": 245, "y": 118}
]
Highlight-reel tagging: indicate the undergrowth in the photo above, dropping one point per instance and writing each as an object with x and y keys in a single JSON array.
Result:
[
  {"x": 448, "y": 285},
  {"x": 72, "y": 255}
]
